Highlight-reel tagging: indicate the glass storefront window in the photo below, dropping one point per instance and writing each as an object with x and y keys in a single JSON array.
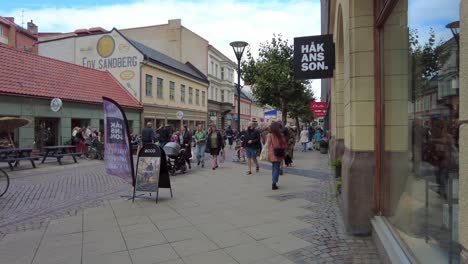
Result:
[{"x": 420, "y": 72}]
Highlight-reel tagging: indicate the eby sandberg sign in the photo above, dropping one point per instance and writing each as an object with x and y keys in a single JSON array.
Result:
[{"x": 314, "y": 57}]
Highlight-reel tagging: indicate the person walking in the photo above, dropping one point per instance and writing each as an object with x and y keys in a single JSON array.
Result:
[
  {"x": 80, "y": 146},
  {"x": 276, "y": 152},
  {"x": 317, "y": 138},
  {"x": 311, "y": 136},
  {"x": 186, "y": 142},
  {"x": 252, "y": 144},
  {"x": 147, "y": 134},
  {"x": 214, "y": 144},
  {"x": 230, "y": 136},
  {"x": 164, "y": 134},
  {"x": 285, "y": 132},
  {"x": 200, "y": 138},
  {"x": 304, "y": 138}
]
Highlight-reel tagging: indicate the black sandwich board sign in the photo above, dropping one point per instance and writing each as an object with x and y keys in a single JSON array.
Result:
[
  {"x": 314, "y": 57},
  {"x": 151, "y": 172}
]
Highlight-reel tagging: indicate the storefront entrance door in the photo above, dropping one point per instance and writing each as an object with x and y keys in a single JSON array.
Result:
[{"x": 46, "y": 131}]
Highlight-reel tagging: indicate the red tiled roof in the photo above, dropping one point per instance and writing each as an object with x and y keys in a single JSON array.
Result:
[{"x": 25, "y": 74}]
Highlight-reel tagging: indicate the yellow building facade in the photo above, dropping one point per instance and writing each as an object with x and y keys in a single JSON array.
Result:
[{"x": 397, "y": 119}]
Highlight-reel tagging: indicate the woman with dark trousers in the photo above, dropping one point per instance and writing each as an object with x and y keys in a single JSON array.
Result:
[
  {"x": 186, "y": 138},
  {"x": 214, "y": 144},
  {"x": 276, "y": 152}
]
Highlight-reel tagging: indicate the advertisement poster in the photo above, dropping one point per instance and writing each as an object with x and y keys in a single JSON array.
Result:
[
  {"x": 117, "y": 154},
  {"x": 148, "y": 169}
]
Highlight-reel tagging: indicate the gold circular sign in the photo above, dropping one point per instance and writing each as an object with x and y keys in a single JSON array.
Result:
[
  {"x": 127, "y": 75},
  {"x": 105, "y": 46}
]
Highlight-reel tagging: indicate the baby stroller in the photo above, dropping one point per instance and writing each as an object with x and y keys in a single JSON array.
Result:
[
  {"x": 240, "y": 150},
  {"x": 176, "y": 157}
]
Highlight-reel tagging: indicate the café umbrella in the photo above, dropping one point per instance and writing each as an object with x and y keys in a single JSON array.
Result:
[{"x": 8, "y": 124}]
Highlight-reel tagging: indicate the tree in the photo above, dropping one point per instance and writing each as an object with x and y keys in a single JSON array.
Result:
[
  {"x": 272, "y": 75},
  {"x": 299, "y": 108}
]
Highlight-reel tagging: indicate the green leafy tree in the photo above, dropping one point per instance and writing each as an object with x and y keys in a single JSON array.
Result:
[
  {"x": 271, "y": 75},
  {"x": 299, "y": 108}
]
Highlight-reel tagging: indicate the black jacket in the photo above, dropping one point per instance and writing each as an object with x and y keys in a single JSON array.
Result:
[
  {"x": 254, "y": 135},
  {"x": 165, "y": 135},
  {"x": 147, "y": 135},
  {"x": 220, "y": 140}
]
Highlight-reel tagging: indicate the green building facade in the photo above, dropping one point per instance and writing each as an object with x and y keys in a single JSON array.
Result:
[{"x": 55, "y": 128}]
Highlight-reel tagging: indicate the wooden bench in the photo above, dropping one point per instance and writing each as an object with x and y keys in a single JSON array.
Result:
[
  {"x": 14, "y": 155},
  {"x": 59, "y": 152}
]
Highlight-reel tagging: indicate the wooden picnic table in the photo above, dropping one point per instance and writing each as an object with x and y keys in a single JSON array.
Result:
[
  {"x": 14, "y": 155},
  {"x": 59, "y": 152}
]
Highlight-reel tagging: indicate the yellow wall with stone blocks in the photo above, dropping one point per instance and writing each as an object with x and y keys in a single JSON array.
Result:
[{"x": 463, "y": 169}]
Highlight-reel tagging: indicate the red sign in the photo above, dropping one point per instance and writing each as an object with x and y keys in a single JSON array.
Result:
[
  {"x": 318, "y": 106},
  {"x": 320, "y": 111},
  {"x": 319, "y": 114}
]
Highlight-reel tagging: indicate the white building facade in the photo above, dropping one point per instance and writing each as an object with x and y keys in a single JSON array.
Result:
[{"x": 221, "y": 89}]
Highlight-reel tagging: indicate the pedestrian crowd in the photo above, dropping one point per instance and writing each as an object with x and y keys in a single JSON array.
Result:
[{"x": 274, "y": 144}]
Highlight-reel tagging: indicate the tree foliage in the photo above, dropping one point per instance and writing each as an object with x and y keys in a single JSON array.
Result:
[{"x": 271, "y": 76}]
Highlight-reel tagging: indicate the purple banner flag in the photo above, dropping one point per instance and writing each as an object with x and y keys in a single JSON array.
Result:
[{"x": 117, "y": 154}]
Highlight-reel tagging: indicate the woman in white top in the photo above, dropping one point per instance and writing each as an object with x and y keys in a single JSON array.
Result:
[{"x": 304, "y": 138}]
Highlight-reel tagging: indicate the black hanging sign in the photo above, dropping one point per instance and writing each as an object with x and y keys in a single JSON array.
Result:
[
  {"x": 152, "y": 172},
  {"x": 314, "y": 57}
]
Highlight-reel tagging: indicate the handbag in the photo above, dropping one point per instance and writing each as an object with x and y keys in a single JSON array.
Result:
[
  {"x": 264, "y": 154},
  {"x": 279, "y": 152}
]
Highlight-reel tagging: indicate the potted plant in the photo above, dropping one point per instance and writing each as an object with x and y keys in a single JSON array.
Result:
[
  {"x": 337, "y": 165},
  {"x": 323, "y": 147},
  {"x": 338, "y": 186}
]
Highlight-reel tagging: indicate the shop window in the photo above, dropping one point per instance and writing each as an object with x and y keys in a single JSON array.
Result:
[
  {"x": 182, "y": 93},
  {"x": 160, "y": 88},
  {"x": 149, "y": 85},
  {"x": 420, "y": 172},
  {"x": 203, "y": 98},
  {"x": 171, "y": 91},
  {"x": 197, "y": 97},
  {"x": 190, "y": 96}
]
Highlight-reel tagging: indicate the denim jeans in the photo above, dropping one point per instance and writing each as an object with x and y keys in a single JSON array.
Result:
[
  {"x": 200, "y": 149},
  {"x": 275, "y": 167},
  {"x": 304, "y": 145}
]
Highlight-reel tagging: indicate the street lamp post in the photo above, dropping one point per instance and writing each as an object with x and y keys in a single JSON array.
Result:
[{"x": 238, "y": 47}]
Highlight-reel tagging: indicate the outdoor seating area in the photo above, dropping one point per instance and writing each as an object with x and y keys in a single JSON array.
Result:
[
  {"x": 13, "y": 155},
  {"x": 59, "y": 152}
]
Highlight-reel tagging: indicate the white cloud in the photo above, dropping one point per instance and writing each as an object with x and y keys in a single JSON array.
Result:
[{"x": 220, "y": 22}]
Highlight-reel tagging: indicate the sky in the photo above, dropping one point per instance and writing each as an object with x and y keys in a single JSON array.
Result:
[{"x": 219, "y": 22}]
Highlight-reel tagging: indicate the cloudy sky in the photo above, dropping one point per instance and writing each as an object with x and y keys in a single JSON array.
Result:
[{"x": 220, "y": 22}]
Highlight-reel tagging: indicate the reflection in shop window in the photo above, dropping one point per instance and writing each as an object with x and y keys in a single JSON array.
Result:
[{"x": 420, "y": 170}]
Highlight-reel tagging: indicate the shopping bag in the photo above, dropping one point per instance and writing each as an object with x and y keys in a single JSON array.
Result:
[
  {"x": 222, "y": 156},
  {"x": 265, "y": 152}
]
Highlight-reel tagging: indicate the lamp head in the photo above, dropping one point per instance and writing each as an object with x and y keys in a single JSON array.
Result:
[
  {"x": 238, "y": 47},
  {"x": 454, "y": 27}
]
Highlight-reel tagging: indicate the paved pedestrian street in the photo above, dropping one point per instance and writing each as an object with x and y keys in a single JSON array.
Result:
[{"x": 219, "y": 217}]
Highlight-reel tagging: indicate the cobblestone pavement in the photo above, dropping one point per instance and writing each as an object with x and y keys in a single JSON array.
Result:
[
  {"x": 49, "y": 192},
  {"x": 330, "y": 242}
]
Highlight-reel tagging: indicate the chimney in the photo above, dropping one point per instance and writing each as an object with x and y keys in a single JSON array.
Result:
[
  {"x": 175, "y": 23},
  {"x": 12, "y": 19},
  {"x": 32, "y": 28}
]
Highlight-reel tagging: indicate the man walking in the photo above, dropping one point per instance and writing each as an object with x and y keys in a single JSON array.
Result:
[
  {"x": 252, "y": 145},
  {"x": 200, "y": 138},
  {"x": 164, "y": 134},
  {"x": 147, "y": 134}
]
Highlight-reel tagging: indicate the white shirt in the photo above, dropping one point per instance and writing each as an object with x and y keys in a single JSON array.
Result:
[{"x": 304, "y": 136}]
